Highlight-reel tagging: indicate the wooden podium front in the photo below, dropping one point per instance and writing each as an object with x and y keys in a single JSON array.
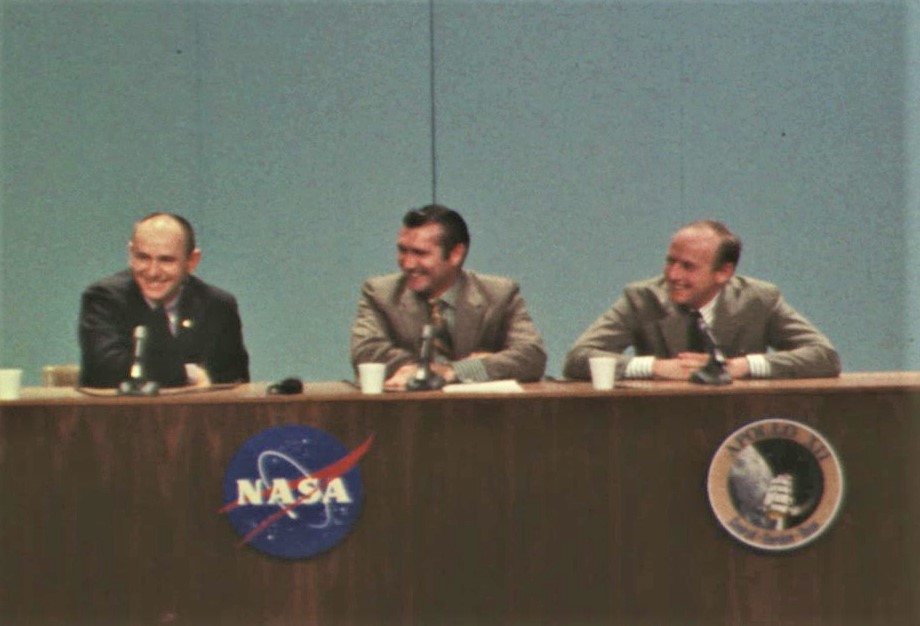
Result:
[{"x": 556, "y": 506}]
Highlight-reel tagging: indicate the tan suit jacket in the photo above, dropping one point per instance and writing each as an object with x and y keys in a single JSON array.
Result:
[
  {"x": 490, "y": 317},
  {"x": 751, "y": 317}
]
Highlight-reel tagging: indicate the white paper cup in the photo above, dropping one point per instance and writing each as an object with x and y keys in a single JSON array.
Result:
[
  {"x": 370, "y": 375},
  {"x": 10, "y": 382},
  {"x": 603, "y": 372}
]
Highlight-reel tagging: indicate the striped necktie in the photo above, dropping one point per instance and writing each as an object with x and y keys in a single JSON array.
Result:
[{"x": 695, "y": 340}]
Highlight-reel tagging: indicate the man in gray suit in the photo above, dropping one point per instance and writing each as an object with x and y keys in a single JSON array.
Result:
[
  {"x": 759, "y": 333},
  {"x": 487, "y": 332}
]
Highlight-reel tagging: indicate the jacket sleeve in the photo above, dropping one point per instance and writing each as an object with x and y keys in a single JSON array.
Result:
[
  {"x": 609, "y": 335},
  {"x": 107, "y": 343},
  {"x": 228, "y": 360},
  {"x": 799, "y": 349},
  {"x": 521, "y": 355},
  {"x": 372, "y": 335},
  {"x": 104, "y": 344}
]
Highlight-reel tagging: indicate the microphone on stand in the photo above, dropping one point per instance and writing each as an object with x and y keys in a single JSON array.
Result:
[
  {"x": 137, "y": 383},
  {"x": 713, "y": 373},
  {"x": 425, "y": 379}
]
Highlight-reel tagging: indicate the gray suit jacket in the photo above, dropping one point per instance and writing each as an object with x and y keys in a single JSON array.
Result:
[
  {"x": 490, "y": 317},
  {"x": 751, "y": 317}
]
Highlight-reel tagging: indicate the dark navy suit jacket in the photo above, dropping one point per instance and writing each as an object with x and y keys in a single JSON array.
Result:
[{"x": 209, "y": 334}]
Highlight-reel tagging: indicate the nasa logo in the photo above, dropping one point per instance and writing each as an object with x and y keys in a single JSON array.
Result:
[
  {"x": 293, "y": 491},
  {"x": 775, "y": 484}
]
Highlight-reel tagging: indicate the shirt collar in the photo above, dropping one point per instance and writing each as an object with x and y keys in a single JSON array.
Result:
[
  {"x": 171, "y": 307},
  {"x": 449, "y": 297},
  {"x": 708, "y": 310}
]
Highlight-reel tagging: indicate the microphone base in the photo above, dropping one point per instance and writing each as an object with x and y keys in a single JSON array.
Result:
[
  {"x": 713, "y": 373},
  {"x": 432, "y": 382},
  {"x": 137, "y": 387}
]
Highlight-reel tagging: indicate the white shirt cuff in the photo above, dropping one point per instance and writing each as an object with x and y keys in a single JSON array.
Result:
[
  {"x": 759, "y": 365},
  {"x": 639, "y": 367},
  {"x": 194, "y": 373}
]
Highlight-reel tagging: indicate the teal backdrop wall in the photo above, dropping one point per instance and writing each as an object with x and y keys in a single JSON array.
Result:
[{"x": 574, "y": 136}]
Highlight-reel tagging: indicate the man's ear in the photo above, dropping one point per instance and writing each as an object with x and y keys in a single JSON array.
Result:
[
  {"x": 457, "y": 255},
  {"x": 193, "y": 260},
  {"x": 725, "y": 273}
]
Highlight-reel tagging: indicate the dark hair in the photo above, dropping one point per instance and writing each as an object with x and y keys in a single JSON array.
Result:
[
  {"x": 183, "y": 223},
  {"x": 729, "y": 250},
  {"x": 453, "y": 227}
]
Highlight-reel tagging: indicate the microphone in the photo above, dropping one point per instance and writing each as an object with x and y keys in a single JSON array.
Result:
[
  {"x": 713, "y": 373},
  {"x": 137, "y": 383},
  {"x": 425, "y": 379},
  {"x": 137, "y": 363},
  {"x": 288, "y": 386}
]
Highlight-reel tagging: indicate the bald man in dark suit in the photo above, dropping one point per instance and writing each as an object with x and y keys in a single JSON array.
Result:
[{"x": 194, "y": 332}]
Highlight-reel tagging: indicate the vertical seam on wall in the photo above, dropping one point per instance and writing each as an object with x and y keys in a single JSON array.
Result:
[
  {"x": 203, "y": 118},
  {"x": 431, "y": 86},
  {"x": 682, "y": 120}
]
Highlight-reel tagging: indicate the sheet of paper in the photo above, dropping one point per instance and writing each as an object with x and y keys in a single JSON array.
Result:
[{"x": 493, "y": 386}]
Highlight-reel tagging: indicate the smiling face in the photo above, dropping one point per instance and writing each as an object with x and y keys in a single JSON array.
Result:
[
  {"x": 421, "y": 257},
  {"x": 692, "y": 279},
  {"x": 159, "y": 260}
]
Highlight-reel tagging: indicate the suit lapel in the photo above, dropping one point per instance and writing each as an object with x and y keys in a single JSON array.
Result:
[
  {"x": 673, "y": 329},
  {"x": 138, "y": 309},
  {"x": 727, "y": 325},
  {"x": 412, "y": 314},
  {"x": 191, "y": 312},
  {"x": 470, "y": 309}
]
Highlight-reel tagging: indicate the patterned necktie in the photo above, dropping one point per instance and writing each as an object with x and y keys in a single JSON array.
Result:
[
  {"x": 695, "y": 340},
  {"x": 442, "y": 343}
]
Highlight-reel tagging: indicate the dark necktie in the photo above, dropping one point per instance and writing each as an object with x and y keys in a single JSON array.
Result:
[
  {"x": 441, "y": 341},
  {"x": 695, "y": 340},
  {"x": 160, "y": 323}
]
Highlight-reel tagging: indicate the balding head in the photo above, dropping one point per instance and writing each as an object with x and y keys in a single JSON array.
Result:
[{"x": 161, "y": 254}]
